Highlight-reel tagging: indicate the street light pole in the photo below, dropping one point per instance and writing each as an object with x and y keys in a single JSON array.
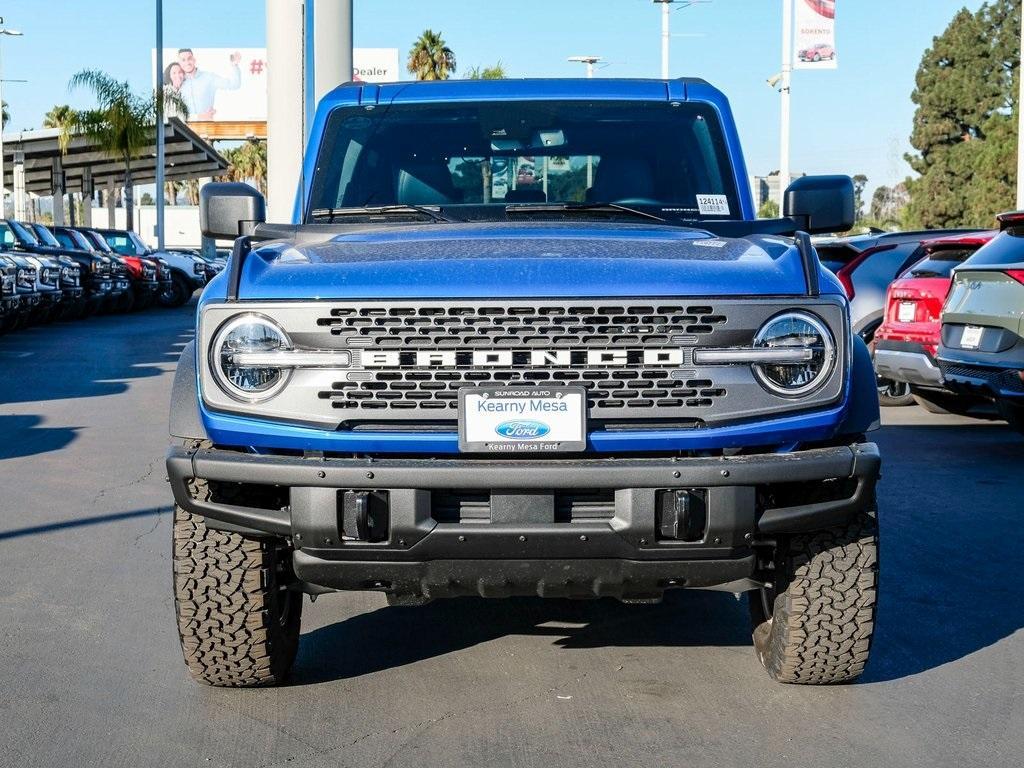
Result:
[
  {"x": 9, "y": 33},
  {"x": 665, "y": 9},
  {"x": 159, "y": 125},
  {"x": 785, "y": 91}
]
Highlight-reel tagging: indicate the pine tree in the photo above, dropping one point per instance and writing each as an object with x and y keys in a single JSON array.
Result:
[{"x": 965, "y": 125}]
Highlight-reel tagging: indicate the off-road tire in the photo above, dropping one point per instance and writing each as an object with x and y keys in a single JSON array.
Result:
[
  {"x": 237, "y": 621},
  {"x": 823, "y": 605}
]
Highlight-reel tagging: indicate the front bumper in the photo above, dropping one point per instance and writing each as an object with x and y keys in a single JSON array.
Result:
[
  {"x": 589, "y": 527},
  {"x": 145, "y": 287},
  {"x": 906, "y": 361}
]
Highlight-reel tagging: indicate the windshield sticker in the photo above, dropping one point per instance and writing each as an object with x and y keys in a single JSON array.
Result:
[{"x": 713, "y": 205}]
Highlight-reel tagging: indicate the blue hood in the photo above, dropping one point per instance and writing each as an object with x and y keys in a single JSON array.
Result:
[{"x": 487, "y": 260}]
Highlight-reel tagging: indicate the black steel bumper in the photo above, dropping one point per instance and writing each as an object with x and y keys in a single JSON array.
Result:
[{"x": 563, "y": 527}]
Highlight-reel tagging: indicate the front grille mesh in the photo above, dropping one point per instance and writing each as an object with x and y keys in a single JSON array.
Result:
[
  {"x": 612, "y": 390},
  {"x": 486, "y": 327}
]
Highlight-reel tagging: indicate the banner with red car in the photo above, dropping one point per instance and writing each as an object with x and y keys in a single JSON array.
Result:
[{"x": 815, "y": 37}]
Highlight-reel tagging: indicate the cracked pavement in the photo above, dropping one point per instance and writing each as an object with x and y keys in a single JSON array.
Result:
[{"x": 91, "y": 673}]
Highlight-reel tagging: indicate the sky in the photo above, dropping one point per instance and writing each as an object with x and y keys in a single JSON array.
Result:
[{"x": 853, "y": 120}]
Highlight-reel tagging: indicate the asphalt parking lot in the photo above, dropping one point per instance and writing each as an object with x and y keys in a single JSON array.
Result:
[{"x": 91, "y": 672}]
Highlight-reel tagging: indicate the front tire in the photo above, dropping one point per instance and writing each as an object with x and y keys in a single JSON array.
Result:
[
  {"x": 177, "y": 294},
  {"x": 237, "y": 619},
  {"x": 822, "y": 610},
  {"x": 1014, "y": 415}
]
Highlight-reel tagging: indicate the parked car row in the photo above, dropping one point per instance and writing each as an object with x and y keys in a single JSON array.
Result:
[
  {"x": 67, "y": 273},
  {"x": 949, "y": 333}
]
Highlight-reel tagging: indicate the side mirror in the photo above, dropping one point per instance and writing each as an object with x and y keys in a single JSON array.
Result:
[
  {"x": 823, "y": 203},
  {"x": 229, "y": 209}
]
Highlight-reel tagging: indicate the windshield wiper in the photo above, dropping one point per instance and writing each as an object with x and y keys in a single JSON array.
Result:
[
  {"x": 583, "y": 207},
  {"x": 380, "y": 210}
]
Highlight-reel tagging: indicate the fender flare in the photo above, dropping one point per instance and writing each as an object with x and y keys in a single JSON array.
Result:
[
  {"x": 185, "y": 421},
  {"x": 863, "y": 413}
]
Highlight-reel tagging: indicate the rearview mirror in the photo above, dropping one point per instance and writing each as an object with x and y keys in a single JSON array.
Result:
[
  {"x": 230, "y": 209},
  {"x": 824, "y": 204}
]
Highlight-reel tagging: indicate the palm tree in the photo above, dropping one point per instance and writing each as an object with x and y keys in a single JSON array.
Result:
[
  {"x": 248, "y": 162},
  {"x": 430, "y": 58},
  {"x": 59, "y": 116},
  {"x": 497, "y": 72},
  {"x": 121, "y": 124}
]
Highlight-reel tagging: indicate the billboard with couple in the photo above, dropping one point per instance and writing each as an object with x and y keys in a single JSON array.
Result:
[{"x": 230, "y": 84}]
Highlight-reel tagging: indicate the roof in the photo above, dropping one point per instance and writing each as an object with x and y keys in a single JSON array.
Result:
[
  {"x": 681, "y": 89},
  {"x": 188, "y": 156}
]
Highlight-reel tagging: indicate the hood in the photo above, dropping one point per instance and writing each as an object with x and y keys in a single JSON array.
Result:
[{"x": 485, "y": 260}]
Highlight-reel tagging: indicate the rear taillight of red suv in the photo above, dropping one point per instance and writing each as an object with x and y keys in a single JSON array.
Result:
[
  {"x": 845, "y": 273},
  {"x": 1016, "y": 274}
]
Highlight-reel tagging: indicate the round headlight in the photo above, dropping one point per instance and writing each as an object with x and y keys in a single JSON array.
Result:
[
  {"x": 248, "y": 333},
  {"x": 796, "y": 331}
]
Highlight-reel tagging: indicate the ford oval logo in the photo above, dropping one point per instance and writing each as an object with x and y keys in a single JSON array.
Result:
[{"x": 522, "y": 430}]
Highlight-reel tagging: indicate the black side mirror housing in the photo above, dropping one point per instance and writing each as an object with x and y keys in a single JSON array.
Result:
[
  {"x": 823, "y": 204},
  {"x": 230, "y": 209}
]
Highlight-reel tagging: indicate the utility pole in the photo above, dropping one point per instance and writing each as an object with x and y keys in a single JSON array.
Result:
[
  {"x": 1020, "y": 124},
  {"x": 9, "y": 33},
  {"x": 666, "y": 9},
  {"x": 785, "y": 91},
  {"x": 159, "y": 125}
]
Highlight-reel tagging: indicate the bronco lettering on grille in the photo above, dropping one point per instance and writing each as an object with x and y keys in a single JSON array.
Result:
[{"x": 506, "y": 358}]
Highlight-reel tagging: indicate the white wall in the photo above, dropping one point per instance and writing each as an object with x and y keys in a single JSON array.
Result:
[{"x": 181, "y": 224}]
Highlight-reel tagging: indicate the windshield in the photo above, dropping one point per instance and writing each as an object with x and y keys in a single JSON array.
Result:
[
  {"x": 45, "y": 235},
  {"x": 670, "y": 159},
  {"x": 23, "y": 233},
  {"x": 97, "y": 241}
]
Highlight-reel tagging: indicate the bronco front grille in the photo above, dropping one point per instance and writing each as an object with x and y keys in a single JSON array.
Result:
[{"x": 549, "y": 326}]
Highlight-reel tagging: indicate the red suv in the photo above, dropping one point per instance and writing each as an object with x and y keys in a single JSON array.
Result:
[
  {"x": 819, "y": 52},
  {"x": 908, "y": 339}
]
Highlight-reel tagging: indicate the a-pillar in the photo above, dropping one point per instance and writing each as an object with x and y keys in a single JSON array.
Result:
[{"x": 285, "y": 105}]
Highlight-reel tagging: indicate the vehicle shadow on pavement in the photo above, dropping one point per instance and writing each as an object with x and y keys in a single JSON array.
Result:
[
  {"x": 950, "y": 547},
  {"x": 91, "y": 358},
  {"x": 114, "y": 517},
  {"x": 22, "y": 436},
  {"x": 393, "y": 637}
]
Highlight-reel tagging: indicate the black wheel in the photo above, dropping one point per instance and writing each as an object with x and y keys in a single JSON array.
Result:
[
  {"x": 894, "y": 394},
  {"x": 237, "y": 619},
  {"x": 943, "y": 403},
  {"x": 815, "y": 625},
  {"x": 177, "y": 293},
  {"x": 1014, "y": 415}
]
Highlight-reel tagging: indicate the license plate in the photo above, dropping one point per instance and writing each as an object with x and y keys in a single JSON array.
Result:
[
  {"x": 971, "y": 338},
  {"x": 906, "y": 312},
  {"x": 522, "y": 419}
]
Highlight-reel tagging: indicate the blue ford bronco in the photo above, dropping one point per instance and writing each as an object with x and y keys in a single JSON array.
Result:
[{"x": 524, "y": 337}]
